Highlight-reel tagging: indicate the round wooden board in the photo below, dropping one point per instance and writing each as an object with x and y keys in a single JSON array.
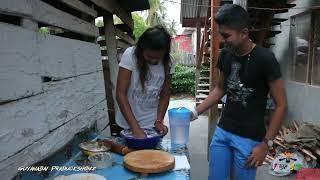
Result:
[{"x": 149, "y": 161}]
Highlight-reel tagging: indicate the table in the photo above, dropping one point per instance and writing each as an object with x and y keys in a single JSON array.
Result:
[{"x": 116, "y": 172}]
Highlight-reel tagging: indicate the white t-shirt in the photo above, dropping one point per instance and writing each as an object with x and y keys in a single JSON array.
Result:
[{"x": 144, "y": 104}]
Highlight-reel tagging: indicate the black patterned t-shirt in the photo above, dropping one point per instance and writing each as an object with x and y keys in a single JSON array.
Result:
[{"x": 246, "y": 86}]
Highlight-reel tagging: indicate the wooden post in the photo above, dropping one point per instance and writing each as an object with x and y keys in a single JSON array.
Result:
[
  {"x": 214, "y": 41},
  {"x": 112, "y": 70},
  {"x": 242, "y": 3},
  {"x": 111, "y": 43},
  {"x": 198, "y": 56}
]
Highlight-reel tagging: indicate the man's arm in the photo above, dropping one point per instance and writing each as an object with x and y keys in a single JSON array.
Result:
[
  {"x": 277, "y": 91},
  {"x": 214, "y": 96}
]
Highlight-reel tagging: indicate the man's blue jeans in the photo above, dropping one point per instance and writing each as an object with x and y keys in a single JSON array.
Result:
[{"x": 229, "y": 153}]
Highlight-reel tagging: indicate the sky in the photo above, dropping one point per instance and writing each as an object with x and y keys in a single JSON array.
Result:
[{"x": 173, "y": 12}]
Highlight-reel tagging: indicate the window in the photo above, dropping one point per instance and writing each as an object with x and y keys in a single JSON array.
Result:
[
  {"x": 315, "y": 77},
  {"x": 305, "y": 43},
  {"x": 301, "y": 40}
]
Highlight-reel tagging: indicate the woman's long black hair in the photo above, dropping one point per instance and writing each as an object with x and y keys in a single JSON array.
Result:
[{"x": 154, "y": 38}]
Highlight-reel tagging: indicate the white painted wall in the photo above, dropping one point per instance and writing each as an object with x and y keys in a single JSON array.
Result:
[
  {"x": 303, "y": 99},
  {"x": 38, "y": 118}
]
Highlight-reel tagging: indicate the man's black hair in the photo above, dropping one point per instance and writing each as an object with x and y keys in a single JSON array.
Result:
[{"x": 234, "y": 16}]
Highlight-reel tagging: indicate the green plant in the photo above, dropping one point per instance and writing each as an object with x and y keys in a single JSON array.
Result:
[
  {"x": 183, "y": 81},
  {"x": 139, "y": 25},
  {"x": 44, "y": 30},
  {"x": 177, "y": 56},
  {"x": 99, "y": 23}
]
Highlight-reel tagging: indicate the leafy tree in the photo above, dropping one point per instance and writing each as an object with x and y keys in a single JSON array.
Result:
[
  {"x": 157, "y": 16},
  {"x": 99, "y": 23},
  {"x": 139, "y": 25},
  {"x": 156, "y": 13}
]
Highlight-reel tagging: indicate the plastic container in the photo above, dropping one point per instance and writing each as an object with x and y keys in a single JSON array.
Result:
[
  {"x": 150, "y": 142},
  {"x": 101, "y": 160},
  {"x": 179, "y": 120}
]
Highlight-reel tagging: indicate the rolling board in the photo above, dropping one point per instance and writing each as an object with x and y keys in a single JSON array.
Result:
[{"x": 149, "y": 161}]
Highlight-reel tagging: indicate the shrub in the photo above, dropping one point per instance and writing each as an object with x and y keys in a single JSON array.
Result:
[{"x": 183, "y": 80}]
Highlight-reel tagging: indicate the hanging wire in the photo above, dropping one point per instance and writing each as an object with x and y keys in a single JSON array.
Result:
[{"x": 249, "y": 7}]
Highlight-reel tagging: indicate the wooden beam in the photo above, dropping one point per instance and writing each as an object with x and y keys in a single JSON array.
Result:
[
  {"x": 198, "y": 50},
  {"x": 113, "y": 7},
  {"x": 213, "y": 112},
  {"x": 106, "y": 5},
  {"x": 16, "y": 7},
  {"x": 47, "y": 14},
  {"x": 280, "y": 11},
  {"x": 29, "y": 24},
  {"x": 40, "y": 11},
  {"x": 125, "y": 28},
  {"x": 121, "y": 27},
  {"x": 279, "y": 19},
  {"x": 198, "y": 38},
  {"x": 113, "y": 67},
  {"x": 124, "y": 36},
  {"x": 121, "y": 44},
  {"x": 78, "y": 5},
  {"x": 125, "y": 16},
  {"x": 198, "y": 56}
]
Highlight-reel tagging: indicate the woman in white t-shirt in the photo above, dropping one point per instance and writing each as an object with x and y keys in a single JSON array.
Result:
[{"x": 144, "y": 80}]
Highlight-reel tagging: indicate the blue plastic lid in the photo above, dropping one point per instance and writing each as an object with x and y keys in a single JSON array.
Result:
[{"x": 179, "y": 110}]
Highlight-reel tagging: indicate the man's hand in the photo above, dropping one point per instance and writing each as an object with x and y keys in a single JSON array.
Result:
[
  {"x": 161, "y": 128},
  {"x": 193, "y": 117},
  {"x": 258, "y": 155},
  {"x": 139, "y": 133},
  {"x": 194, "y": 114}
]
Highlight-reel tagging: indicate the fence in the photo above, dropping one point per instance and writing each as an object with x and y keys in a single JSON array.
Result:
[{"x": 185, "y": 59}]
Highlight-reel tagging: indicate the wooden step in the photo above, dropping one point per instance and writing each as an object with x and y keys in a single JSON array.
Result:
[
  {"x": 203, "y": 91},
  {"x": 207, "y": 43},
  {"x": 204, "y": 70},
  {"x": 203, "y": 85},
  {"x": 204, "y": 78},
  {"x": 201, "y": 96},
  {"x": 206, "y": 63},
  {"x": 206, "y": 54}
]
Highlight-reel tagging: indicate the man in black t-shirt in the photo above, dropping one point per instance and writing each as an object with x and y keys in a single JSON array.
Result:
[{"x": 248, "y": 72}]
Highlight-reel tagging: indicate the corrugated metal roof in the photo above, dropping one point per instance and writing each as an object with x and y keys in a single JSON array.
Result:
[
  {"x": 188, "y": 15},
  {"x": 189, "y": 8}
]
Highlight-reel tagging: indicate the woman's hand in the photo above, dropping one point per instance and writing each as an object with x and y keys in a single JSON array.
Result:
[
  {"x": 161, "y": 128},
  {"x": 139, "y": 133}
]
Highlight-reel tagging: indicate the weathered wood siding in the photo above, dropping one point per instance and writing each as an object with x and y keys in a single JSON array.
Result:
[{"x": 51, "y": 87}]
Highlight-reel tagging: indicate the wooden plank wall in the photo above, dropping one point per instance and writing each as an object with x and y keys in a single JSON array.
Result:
[{"x": 51, "y": 86}]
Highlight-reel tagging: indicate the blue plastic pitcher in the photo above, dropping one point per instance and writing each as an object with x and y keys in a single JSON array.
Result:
[{"x": 179, "y": 120}]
